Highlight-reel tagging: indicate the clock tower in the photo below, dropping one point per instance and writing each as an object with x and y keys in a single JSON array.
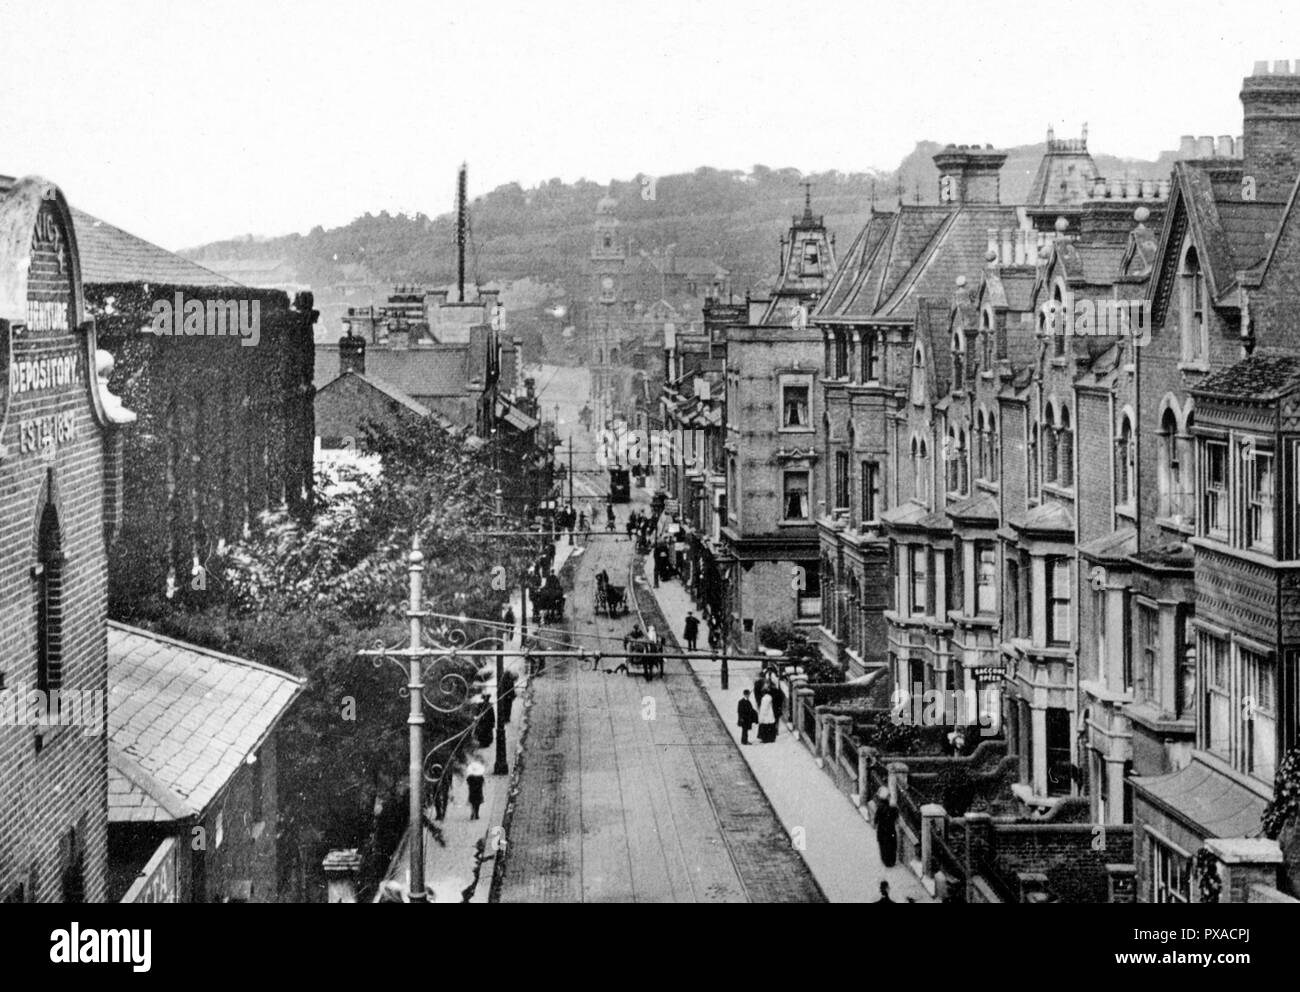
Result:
[{"x": 607, "y": 267}]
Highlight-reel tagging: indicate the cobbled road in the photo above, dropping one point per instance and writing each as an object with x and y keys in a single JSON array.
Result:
[{"x": 633, "y": 791}]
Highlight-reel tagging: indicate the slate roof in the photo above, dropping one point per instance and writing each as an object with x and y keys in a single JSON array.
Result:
[
  {"x": 1231, "y": 234},
  {"x": 418, "y": 372},
  {"x": 1264, "y": 375},
  {"x": 111, "y": 255},
  {"x": 981, "y": 506},
  {"x": 919, "y": 252},
  {"x": 181, "y": 722},
  {"x": 1046, "y": 517}
]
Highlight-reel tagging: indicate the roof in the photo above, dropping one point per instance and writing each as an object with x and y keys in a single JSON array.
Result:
[
  {"x": 1048, "y": 517},
  {"x": 1263, "y": 376},
  {"x": 981, "y": 506},
  {"x": 181, "y": 722},
  {"x": 391, "y": 392},
  {"x": 439, "y": 370},
  {"x": 1207, "y": 799},
  {"x": 111, "y": 255},
  {"x": 921, "y": 252},
  {"x": 514, "y": 416}
]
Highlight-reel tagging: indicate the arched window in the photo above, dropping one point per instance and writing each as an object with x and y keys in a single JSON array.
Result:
[
  {"x": 853, "y": 624},
  {"x": 830, "y": 616},
  {"x": 950, "y": 461},
  {"x": 1058, "y": 329},
  {"x": 870, "y": 357},
  {"x": 1124, "y": 463},
  {"x": 981, "y": 446},
  {"x": 963, "y": 465},
  {"x": 958, "y": 360},
  {"x": 1192, "y": 300},
  {"x": 995, "y": 451},
  {"x": 986, "y": 341},
  {"x": 49, "y": 602},
  {"x": 918, "y": 376},
  {"x": 1048, "y": 431},
  {"x": 1065, "y": 450}
]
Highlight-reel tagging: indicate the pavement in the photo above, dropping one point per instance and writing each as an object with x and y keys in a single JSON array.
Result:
[
  {"x": 452, "y": 867},
  {"x": 836, "y": 843}
]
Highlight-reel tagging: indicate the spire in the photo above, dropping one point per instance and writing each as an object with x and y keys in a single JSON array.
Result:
[
  {"x": 873, "y": 194},
  {"x": 807, "y": 202}
]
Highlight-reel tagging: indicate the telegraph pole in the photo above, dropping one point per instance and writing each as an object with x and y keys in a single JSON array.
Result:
[{"x": 572, "y": 523}]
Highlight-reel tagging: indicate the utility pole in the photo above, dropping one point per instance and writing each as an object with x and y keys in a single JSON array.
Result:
[
  {"x": 572, "y": 524},
  {"x": 501, "y": 766},
  {"x": 461, "y": 226}
]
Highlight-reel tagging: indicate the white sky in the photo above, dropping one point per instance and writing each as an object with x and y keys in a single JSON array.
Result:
[{"x": 187, "y": 121}]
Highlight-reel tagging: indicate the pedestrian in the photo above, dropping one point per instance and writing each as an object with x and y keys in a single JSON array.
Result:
[
  {"x": 508, "y": 618},
  {"x": 766, "y": 721},
  {"x": 746, "y": 717},
  {"x": 442, "y": 795},
  {"x": 474, "y": 780},
  {"x": 692, "y": 630},
  {"x": 884, "y": 892},
  {"x": 507, "y": 691},
  {"x": 778, "y": 699},
  {"x": 485, "y": 730},
  {"x": 886, "y": 828},
  {"x": 610, "y": 519}
]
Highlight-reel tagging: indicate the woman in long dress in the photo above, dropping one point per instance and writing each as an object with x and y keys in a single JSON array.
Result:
[{"x": 766, "y": 721}]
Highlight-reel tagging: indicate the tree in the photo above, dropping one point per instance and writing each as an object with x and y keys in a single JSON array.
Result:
[{"x": 307, "y": 597}]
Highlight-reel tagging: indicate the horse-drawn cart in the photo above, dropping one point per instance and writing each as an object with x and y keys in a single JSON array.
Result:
[{"x": 611, "y": 600}]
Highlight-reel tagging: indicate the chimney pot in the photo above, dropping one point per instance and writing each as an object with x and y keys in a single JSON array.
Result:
[
  {"x": 1281, "y": 68},
  {"x": 1187, "y": 146},
  {"x": 1261, "y": 69},
  {"x": 1205, "y": 146}
]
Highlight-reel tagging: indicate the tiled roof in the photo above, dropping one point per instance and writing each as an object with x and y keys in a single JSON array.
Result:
[
  {"x": 181, "y": 722},
  {"x": 852, "y": 265},
  {"x": 1264, "y": 375},
  {"x": 921, "y": 253},
  {"x": 417, "y": 372},
  {"x": 1232, "y": 235},
  {"x": 981, "y": 506},
  {"x": 111, "y": 255}
]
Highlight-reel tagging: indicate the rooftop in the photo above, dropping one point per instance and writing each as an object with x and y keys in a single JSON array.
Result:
[{"x": 181, "y": 722}]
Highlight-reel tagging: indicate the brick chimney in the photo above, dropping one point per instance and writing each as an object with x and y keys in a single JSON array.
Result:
[
  {"x": 1271, "y": 102},
  {"x": 969, "y": 174},
  {"x": 352, "y": 354}
]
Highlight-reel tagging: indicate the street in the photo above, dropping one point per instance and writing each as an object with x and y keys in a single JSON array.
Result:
[{"x": 633, "y": 790}]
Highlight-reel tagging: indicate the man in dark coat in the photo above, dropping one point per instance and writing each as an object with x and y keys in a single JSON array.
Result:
[
  {"x": 485, "y": 731},
  {"x": 887, "y": 831},
  {"x": 746, "y": 717},
  {"x": 507, "y": 690},
  {"x": 778, "y": 699},
  {"x": 692, "y": 631},
  {"x": 884, "y": 893}
]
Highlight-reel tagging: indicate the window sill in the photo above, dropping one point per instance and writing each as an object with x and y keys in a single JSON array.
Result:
[
  {"x": 1175, "y": 524},
  {"x": 796, "y": 430},
  {"x": 1127, "y": 511},
  {"x": 1199, "y": 368}
]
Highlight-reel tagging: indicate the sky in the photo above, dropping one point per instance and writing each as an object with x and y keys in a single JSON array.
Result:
[{"x": 186, "y": 122}]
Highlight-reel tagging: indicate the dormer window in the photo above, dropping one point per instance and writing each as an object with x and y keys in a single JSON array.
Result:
[
  {"x": 1192, "y": 301},
  {"x": 918, "y": 376}
]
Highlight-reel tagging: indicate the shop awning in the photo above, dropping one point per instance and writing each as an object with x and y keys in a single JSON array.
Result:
[{"x": 515, "y": 417}]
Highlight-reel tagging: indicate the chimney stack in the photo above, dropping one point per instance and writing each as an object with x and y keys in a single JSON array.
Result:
[
  {"x": 1271, "y": 140},
  {"x": 352, "y": 354},
  {"x": 969, "y": 174}
]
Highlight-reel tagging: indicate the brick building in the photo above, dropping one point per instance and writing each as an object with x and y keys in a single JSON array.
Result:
[
  {"x": 59, "y": 483},
  {"x": 773, "y": 467}
]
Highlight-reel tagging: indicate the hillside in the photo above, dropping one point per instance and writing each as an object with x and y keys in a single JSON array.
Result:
[{"x": 543, "y": 234}]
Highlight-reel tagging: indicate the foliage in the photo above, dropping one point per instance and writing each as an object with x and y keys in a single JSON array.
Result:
[
  {"x": 306, "y": 598},
  {"x": 1286, "y": 796},
  {"x": 794, "y": 644},
  {"x": 1208, "y": 882}
]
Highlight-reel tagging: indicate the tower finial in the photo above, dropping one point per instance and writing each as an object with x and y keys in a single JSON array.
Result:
[
  {"x": 807, "y": 200},
  {"x": 873, "y": 194}
]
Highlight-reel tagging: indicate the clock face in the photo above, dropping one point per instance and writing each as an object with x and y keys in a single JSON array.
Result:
[{"x": 607, "y": 282}]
